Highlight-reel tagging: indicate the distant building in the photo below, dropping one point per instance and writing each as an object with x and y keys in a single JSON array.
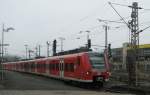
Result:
[
  {"x": 144, "y": 51},
  {"x": 119, "y": 54}
]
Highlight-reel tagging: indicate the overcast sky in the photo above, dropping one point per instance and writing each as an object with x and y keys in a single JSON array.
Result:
[{"x": 38, "y": 21}]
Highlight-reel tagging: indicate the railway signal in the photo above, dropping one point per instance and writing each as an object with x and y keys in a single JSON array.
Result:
[
  {"x": 109, "y": 51},
  {"x": 36, "y": 52},
  {"x": 39, "y": 50},
  {"x": 89, "y": 43},
  {"x": 26, "y": 47},
  {"x": 54, "y": 46}
]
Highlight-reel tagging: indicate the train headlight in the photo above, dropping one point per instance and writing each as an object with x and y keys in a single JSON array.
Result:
[
  {"x": 87, "y": 73},
  {"x": 109, "y": 73}
]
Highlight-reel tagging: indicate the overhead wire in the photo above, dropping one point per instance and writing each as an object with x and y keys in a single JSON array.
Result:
[
  {"x": 120, "y": 4},
  {"x": 119, "y": 14},
  {"x": 130, "y": 6}
]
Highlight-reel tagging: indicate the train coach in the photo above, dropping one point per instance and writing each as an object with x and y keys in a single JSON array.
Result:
[{"x": 84, "y": 67}]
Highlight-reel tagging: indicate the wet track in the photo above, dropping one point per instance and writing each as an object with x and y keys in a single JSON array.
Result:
[
  {"x": 24, "y": 81},
  {"x": 16, "y": 83}
]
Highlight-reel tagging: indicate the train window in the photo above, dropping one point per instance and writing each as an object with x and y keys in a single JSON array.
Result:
[
  {"x": 53, "y": 67},
  {"x": 78, "y": 60},
  {"x": 37, "y": 66},
  {"x": 72, "y": 67},
  {"x": 69, "y": 67},
  {"x": 57, "y": 66},
  {"x": 97, "y": 60},
  {"x": 43, "y": 66},
  {"x": 49, "y": 66},
  {"x": 32, "y": 65},
  {"x": 66, "y": 67},
  {"x": 26, "y": 66},
  {"x": 21, "y": 65},
  {"x": 40, "y": 65}
]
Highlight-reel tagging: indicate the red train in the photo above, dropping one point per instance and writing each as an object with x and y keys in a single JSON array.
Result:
[{"x": 84, "y": 67}]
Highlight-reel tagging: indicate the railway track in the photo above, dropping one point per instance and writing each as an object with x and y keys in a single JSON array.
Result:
[
  {"x": 128, "y": 89},
  {"x": 112, "y": 87}
]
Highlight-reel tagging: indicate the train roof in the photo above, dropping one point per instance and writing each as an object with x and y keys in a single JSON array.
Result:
[
  {"x": 74, "y": 52},
  {"x": 51, "y": 57}
]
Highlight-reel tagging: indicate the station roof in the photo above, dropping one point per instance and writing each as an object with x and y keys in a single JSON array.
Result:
[
  {"x": 140, "y": 46},
  {"x": 144, "y": 46}
]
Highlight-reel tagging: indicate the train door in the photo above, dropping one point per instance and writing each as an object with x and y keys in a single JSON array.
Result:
[{"x": 61, "y": 68}]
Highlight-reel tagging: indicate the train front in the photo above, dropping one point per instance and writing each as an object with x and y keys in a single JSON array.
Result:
[{"x": 99, "y": 67}]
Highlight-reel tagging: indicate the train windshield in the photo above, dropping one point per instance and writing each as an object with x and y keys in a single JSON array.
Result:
[{"x": 97, "y": 61}]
